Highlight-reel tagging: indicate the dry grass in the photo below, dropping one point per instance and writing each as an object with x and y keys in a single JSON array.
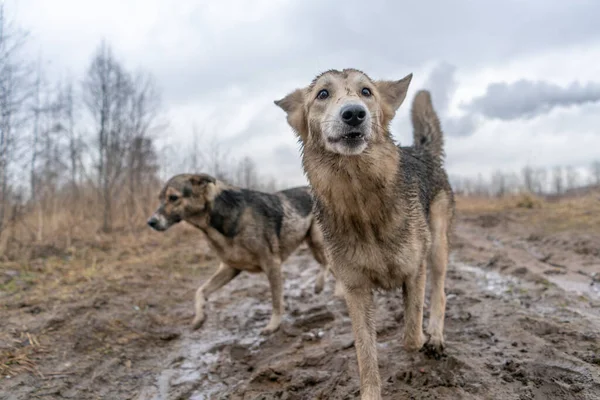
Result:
[
  {"x": 474, "y": 204},
  {"x": 69, "y": 292},
  {"x": 61, "y": 223},
  {"x": 105, "y": 260},
  {"x": 548, "y": 215},
  {"x": 16, "y": 357},
  {"x": 103, "y": 295}
]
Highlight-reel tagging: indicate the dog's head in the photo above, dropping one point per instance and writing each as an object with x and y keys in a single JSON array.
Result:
[
  {"x": 344, "y": 111},
  {"x": 183, "y": 197}
]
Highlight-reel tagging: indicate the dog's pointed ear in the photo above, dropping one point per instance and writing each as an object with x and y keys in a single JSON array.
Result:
[
  {"x": 293, "y": 105},
  {"x": 201, "y": 179},
  {"x": 195, "y": 181},
  {"x": 393, "y": 93}
]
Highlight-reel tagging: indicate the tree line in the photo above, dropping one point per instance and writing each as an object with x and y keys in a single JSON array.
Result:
[
  {"x": 81, "y": 154},
  {"x": 541, "y": 181}
]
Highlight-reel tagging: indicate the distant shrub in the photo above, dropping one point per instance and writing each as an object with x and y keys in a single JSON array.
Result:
[{"x": 528, "y": 201}]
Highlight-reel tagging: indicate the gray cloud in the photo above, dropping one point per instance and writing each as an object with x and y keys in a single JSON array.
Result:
[
  {"x": 460, "y": 126},
  {"x": 442, "y": 84},
  {"x": 527, "y": 99},
  {"x": 260, "y": 127},
  {"x": 385, "y": 38}
]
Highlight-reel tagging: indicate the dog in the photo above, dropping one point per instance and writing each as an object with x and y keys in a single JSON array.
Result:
[
  {"x": 385, "y": 210},
  {"x": 249, "y": 231}
]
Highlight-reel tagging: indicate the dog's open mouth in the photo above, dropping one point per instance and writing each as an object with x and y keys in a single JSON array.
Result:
[{"x": 349, "y": 138}]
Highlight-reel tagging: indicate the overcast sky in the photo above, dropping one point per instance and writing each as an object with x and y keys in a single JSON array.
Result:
[{"x": 515, "y": 82}]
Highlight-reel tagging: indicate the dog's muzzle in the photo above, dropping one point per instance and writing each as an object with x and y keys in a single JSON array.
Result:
[
  {"x": 153, "y": 222},
  {"x": 158, "y": 222},
  {"x": 351, "y": 132}
]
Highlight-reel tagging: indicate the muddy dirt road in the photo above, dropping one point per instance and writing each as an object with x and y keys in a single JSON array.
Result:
[
  {"x": 507, "y": 339},
  {"x": 513, "y": 331}
]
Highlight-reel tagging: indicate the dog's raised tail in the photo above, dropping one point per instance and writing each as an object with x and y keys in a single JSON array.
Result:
[{"x": 427, "y": 130}]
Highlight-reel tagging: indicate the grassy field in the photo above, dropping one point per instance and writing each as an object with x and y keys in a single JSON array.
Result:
[{"x": 549, "y": 216}]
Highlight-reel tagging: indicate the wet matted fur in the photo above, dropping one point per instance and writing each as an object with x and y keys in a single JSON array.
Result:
[
  {"x": 249, "y": 230},
  {"x": 385, "y": 210}
]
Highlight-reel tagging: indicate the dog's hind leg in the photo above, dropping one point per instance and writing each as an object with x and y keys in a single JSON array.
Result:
[
  {"x": 314, "y": 240},
  {"x": 361, "y": 307},
  {"x": 413, "y": 293},
  {"x": 221, "y": 277},
  {"x": 440, "y": 216},
  {"x": 272, "y": 268}
]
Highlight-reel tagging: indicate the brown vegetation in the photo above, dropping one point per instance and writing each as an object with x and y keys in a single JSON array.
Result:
[{"x": 549, "y": 215}]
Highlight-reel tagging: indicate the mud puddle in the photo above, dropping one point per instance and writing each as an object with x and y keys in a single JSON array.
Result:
[{"x": 231, "y": 333}]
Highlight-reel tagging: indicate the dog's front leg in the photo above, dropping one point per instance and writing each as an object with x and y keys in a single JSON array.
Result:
[
  {"x": 339, "y": 289},
  {"x": 273, "y": 270},
  {"x": 221, "y": 277},
  {"x": 320, "y": 282},
  {"x": 361, "y": 308}
]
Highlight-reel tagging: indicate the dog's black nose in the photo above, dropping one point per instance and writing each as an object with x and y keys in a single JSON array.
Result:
[
  {"x": 153, "y": 222},
  {"x": 353, "y": 114}
]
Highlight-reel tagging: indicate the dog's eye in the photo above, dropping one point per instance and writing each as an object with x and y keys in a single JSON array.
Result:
[
  {"x": 323, "y": 94},
  {"x": 366, "y": 92},
  {"x": 173, "y": 197}
]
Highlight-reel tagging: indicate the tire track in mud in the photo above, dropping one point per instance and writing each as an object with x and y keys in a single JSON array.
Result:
[{"x": 506, "y": 339}]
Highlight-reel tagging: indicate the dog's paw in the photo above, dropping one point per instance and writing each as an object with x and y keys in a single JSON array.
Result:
[
  {"x": 434, "y": 348},
  {"x": 414, "y": 343},
  {"x": 198, "y": 321},
  {"x": 319, "y": 286},
  {"x": 267, "y": 330},
  {"x": 272, "y": 326}
]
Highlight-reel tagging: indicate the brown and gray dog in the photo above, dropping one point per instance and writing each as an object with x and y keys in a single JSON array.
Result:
[
  {"x": 385, "y": 210},
  {"x": 249, "y": 230}
]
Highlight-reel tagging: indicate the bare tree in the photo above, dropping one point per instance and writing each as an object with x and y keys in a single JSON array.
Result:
[
  {"x": 125, "y": 110},
  {"x": 558, "y": 181},
  {"x": 540, "y": 180},
  {"x": 37, "y": 110},
  {"x": 481, "y": 186},
  {"x": 64, "y": 124},
  {"x": 194, "y": 158},
  {"x": 572, "y": 178},
  {"x": 218, "y": 161},
  {"x": 270, "y": 186},
  {"x": 529, "y": 179},
  {"x": 142, "y": 160},
  {"x": 15, "y": 91},
  {"x": 142, "y": 171},
  {"x": 457, "y": 184},
  {"x": 47, "y": 164},
  {"x": 513, "y": 183},
  {"x": 107, "y": 90},
  {"x": 468, "y": 186},
  {"x": 499, "y": 184},
  {"x": 247, "y": 175},
  {"x": 595, "y": 170}
]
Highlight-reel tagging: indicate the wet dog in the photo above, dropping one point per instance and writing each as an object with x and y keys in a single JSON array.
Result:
[
  {"x": 385, "y": 210},
  {"x": 249, "y": 230}
]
